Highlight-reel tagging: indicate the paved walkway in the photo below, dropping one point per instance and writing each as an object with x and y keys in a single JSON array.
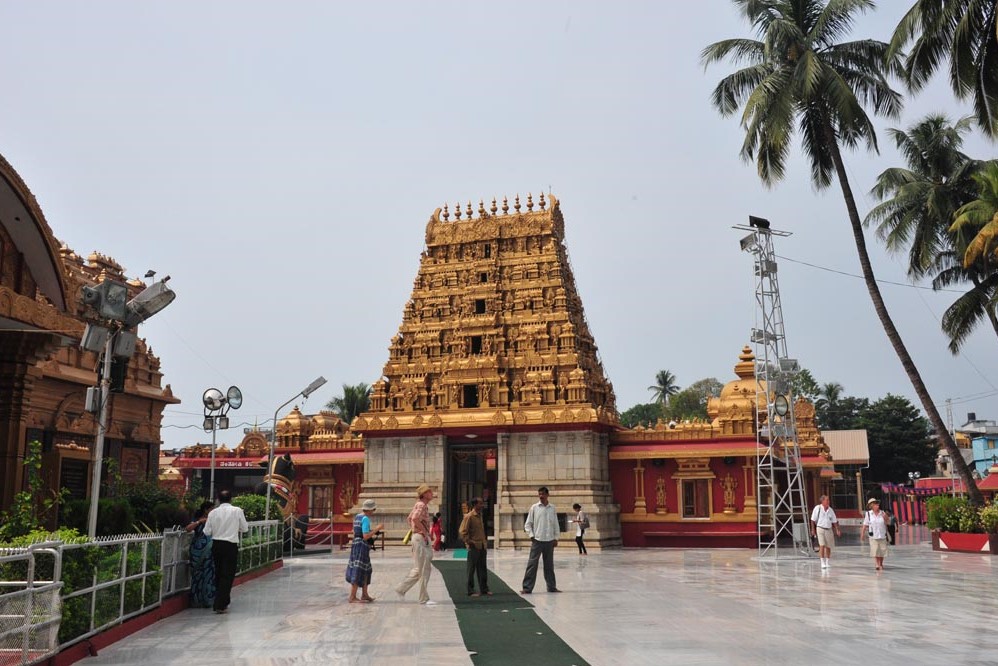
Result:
[{"x": 622, "y": 607}]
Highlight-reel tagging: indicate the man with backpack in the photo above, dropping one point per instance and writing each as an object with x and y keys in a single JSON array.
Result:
[{"x": 581, "y": 521}]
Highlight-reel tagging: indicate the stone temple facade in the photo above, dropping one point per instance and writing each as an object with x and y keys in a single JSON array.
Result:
[{"x": 493, "y": 384}]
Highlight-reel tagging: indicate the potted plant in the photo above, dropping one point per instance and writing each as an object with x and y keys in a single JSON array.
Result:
[{"x": 958, "y": 526}]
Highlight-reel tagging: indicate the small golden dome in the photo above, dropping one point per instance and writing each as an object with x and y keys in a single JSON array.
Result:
[{"x": 737, "y": 401}]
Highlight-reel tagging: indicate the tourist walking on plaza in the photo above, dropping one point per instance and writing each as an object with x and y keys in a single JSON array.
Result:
[
  {"x": 542, "y": 528},
  {"x": 581, "y": 521},
  {"x": 359, "y": 567},
  {"x": 825, "y": 526},
  {"x": 422, "y": 553},
  {"x": 202, "y": 566},
  {"x": 472, "y": 533},
  {"x": 875, "y": 527},
  {"x": 224, "y": 525},
  {"x": 436, "y": 533}
]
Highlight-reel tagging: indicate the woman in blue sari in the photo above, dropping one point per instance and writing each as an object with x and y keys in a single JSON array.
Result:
[
  {"x": 202, "y": 566},
  {"x": 359, "y": 567}
]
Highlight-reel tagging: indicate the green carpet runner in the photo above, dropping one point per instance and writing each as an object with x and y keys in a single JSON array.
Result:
[{"x": 502, "y": 629}]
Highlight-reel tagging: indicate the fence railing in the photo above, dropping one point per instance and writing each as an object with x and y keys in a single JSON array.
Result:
[
  {"x": 29, "y": 603},
  {"x": 101, "y": 583}
]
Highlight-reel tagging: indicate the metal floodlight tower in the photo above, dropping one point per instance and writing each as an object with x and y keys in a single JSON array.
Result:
[
  {"x": 112, "y": 334},
  {"x": 782, "y": 505}
]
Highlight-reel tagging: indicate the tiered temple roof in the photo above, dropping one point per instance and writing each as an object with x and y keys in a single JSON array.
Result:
[{"x": 494, "y": 334}]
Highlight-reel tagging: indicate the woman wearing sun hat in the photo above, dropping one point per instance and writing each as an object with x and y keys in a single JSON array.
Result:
[
  {"x": 359, "y": 567},
  {"x": 875, "y": 527},
  {"x": 422, "y": 552}
]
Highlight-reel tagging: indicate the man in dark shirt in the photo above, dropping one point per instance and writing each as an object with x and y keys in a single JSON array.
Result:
[{"x": 472, "y": 533}]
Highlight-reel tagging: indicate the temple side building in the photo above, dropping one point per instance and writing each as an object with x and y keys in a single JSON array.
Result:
[{"x": 43, "y": 372}]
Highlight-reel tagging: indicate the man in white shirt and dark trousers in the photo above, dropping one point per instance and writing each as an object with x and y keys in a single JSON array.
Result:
[
  {"x": 224, "y": 525},
  {"x": 542, "y": 527},
  {"x": 823, "y": 523}
]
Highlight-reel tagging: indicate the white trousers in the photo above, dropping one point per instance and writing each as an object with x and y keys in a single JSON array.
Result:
[{"x": 422, "y": 556}]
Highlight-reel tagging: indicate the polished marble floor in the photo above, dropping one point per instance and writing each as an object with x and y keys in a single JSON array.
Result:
[{"x": 618, "y": 607}]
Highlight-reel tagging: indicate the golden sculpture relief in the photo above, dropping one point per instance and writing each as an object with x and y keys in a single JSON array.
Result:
[{"x": 728, "y": 484}]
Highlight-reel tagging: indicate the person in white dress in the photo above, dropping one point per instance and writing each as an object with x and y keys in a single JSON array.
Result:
[
  {"x": 875, "y": 527},
  {"x": 825, "y": 526}
]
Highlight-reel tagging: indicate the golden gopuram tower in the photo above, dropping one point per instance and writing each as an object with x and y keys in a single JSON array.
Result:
[{"x": 493, "y": 386}]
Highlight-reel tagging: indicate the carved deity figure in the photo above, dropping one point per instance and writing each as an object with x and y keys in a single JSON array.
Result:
[
  {"x": 729, "y": 483},
  {"x": 660, "y": 495}
]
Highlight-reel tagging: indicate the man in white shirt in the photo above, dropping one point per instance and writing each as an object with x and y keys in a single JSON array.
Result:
[
  {"x": 542, "y": 527},
  {"x": 823, "y": 523},
  {"x": 224, "y": 525}
]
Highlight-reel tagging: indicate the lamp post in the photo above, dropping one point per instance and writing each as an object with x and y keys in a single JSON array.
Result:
[
  {"x": 305, "y": 392},
  {"x": 112, "y": 334},
  {"x": 913, "y": 477},
  {"x": 216, "y": 409}
]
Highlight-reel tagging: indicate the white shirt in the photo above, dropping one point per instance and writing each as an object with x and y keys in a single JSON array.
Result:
[
  {"x": 822, "y": 517},
  {"x": 542, "y": 522},
  {"x": 876, "y": 523},
  {"x": 225, "y": 523}
]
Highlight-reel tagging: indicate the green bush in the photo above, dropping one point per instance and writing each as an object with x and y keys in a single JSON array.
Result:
[
  {"x": 945, "y": 512},
  {"x": 989, "y": 518},
  {"x": 114, "y": 516},
  {"x": 254, "y": 506},
  {"x": 169, "y": 514}
]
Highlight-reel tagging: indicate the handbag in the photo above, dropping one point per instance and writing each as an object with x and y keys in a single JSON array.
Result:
[{"x": 407, "y": 538}]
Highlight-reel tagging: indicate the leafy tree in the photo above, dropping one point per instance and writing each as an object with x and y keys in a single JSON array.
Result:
[
  {"x": 919, "y": 205},
  {"x": 804, "y": 385},
  {"x": 802, "y": 78},
  {"x": 354, "y": 401},
  {"x": 646, "y": 415},
  {"x": 975, "y": 228},
  {"x": 827, "y": 403},
  {"x": 963, "y": 32},
  {"x": 920, "y": 200},
  {"x": 30, "y": 507},
  {"x": 899, "y": 438},
  {"x": 691, "y": 402},
  {"x": 846, "y": 415},
  {"x": 664, "y": 387}
]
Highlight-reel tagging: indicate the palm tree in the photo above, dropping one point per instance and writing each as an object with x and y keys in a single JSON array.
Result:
[
  {"x": 919, "y": 204},
  {"x": 665, "y": 386},
  {"x": 827, "y": 404},
  {"x": 976, "y": 225},
  {"x": 355, "y": 400},
  {"x": 981, "y": 217},
  {"x": 800, "y": 77},
  {"x": 919, "y": 201},
  {"x": 966, "y": 33},
  {"x": 963, "y": 316}
]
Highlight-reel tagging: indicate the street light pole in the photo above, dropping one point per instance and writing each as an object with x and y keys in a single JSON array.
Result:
[
  {"x": 305, "y": 392},
  {"x": 214, "y": 430},
  {"x": 105, "y": 401}
]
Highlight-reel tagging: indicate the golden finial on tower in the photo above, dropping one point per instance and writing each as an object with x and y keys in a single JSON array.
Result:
[
  {"x": 516, "y": 203},
  {"x": 530, "y": 201},
  {"x": 446, "y": 213},
  {"x": 505, "y": 206},
  {"x": 457, "y": 211},
  {"x": 493, "y": 209},
  {"x": 481, "y": 208},
  {"x": 541, "y": 203},
  {"x": 469, "y": 209}
]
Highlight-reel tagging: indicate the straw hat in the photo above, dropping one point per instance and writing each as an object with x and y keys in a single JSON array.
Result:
[
  {"x": 369, "y": 505},
  {"x": 872, "y": 500},
  {"x": 422, "y": 490}
]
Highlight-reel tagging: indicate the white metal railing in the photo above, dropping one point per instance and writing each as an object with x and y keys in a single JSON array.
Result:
[
  {"x": 29, "y": 603},
  {"x": 101, "y": 583}
]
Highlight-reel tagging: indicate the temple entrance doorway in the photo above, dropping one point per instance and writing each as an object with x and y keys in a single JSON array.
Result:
[{"x": 471, "y": 473}]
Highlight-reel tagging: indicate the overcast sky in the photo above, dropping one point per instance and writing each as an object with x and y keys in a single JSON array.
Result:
[{"x": 280, "y": 161}]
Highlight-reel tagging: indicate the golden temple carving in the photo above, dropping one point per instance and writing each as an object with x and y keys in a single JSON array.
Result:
[{"x": 494, "y": 332}]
